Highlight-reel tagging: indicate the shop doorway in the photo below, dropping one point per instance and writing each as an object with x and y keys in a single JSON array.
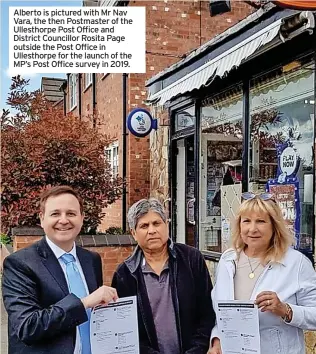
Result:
[{"x": 184, "y": 192}]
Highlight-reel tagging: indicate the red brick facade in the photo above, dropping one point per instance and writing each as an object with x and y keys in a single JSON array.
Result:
[
  {"x": 111, "y": 257},
  {"x": 173, "y": 29}
]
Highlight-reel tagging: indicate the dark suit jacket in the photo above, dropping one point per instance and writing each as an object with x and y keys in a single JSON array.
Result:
[{"x": 42, "y": 314}]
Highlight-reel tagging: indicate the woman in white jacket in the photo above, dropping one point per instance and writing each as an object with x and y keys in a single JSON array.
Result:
[{"x": 263, "y": 267}]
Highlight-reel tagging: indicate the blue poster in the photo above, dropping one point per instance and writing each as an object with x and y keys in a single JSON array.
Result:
[{"x": 285, "y": 188}]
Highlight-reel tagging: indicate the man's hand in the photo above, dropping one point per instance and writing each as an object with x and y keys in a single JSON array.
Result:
[
  {"x": 103, "y": 295},
  {"x": 216, "y": 347}
]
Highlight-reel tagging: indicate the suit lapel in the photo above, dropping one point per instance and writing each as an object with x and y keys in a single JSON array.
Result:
[
  {"x": 52, "y": 264},
  {"x": 86, "y": 262}
]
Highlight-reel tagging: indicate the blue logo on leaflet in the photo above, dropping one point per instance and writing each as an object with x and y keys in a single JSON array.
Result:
[{"x": 140, "y": 122}]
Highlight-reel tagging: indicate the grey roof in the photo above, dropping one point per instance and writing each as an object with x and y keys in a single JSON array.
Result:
[
  {"x": 51, "y": 88},
  {"x": 254, "y": 17},
  {"x": 91, "y": 2}
]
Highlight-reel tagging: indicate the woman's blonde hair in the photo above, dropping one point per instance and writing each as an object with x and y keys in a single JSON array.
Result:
[{"x": 282, "y": 237}]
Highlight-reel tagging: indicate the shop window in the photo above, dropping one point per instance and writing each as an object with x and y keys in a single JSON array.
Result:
[
  {"x": 185, "y": 119},
  {"x": 112, "y": 157},
  {"x": 282, "y": 106},
  {"x": 73, "y": 91},
  {"x": 220, "y": 179}
]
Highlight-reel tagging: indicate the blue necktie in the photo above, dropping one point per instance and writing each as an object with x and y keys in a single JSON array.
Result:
[{"x": 77, "y": 287}]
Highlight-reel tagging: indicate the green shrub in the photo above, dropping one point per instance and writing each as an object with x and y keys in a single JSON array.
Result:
[
  {"x": 5, "y": 239},
  {"x": 115, "y": 231}
]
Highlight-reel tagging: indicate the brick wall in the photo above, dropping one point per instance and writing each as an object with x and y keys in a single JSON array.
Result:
[
  {"x": 111, "y": 257},
  {"x": 173, "y": 28},
  {"x": 110, "y": 108}
]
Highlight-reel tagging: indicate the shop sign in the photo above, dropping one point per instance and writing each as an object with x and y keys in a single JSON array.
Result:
[
  {"x": 288, "y": 161},
  {"x": 297, "y": 4},
  {"x": 288, "y": 199},
  {"x": 285, "y": 189},
  {"x": 140, "y": 122}
]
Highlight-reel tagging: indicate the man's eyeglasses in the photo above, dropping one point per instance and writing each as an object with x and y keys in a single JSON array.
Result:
[{"x": 262, "y": 196}]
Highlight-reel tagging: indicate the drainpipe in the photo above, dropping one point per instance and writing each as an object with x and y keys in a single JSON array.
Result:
[
  {"x": 63, "y": 88},
  {"x": 124, "y": 152},
  {"x": 94, "y": 99},
  {"x": 80, "y": 97}
]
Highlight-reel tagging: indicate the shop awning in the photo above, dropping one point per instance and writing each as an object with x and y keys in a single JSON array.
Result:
[{"x": 232, "y": 58}]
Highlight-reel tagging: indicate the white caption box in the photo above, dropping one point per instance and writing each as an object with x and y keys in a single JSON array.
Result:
[{"x": 77, "y": 40}]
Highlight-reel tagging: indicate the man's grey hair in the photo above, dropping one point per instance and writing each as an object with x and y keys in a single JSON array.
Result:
[{"x": 141, "y": 208}]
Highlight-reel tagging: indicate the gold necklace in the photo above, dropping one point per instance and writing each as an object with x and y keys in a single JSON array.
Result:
[{"x": 251, "y": 275}]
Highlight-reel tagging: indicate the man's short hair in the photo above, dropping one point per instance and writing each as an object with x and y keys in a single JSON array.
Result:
[
  {"x": 141, "y": 208},
  {"x": 58, "y": 190}
]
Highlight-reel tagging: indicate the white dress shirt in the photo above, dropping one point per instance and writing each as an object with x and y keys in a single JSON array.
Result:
[{"x": 58, "y": 252}]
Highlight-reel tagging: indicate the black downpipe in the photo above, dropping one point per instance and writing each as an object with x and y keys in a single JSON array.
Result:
[
  {"x": 246, "y": 134},
  {"x": 80, "y": 95},
  {"x": 314, "y": 155},
  {"x": 94, "y": 99},
  {"x": 64, "y": 88},
  {"x": 197, "y": 170},
  {"x": 65, "y": 105},
  {"x": 124, "y": 151},
  {"x": 65, "y": 85}
]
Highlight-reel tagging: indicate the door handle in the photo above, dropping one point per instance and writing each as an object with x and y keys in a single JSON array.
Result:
[{"x": 190, "y": 201}]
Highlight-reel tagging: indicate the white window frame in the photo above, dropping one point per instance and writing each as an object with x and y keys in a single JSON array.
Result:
[
  {"x": 88, "y": 79},
  {"x": 73, "y": 91},
  {"x": 111, "y": 154}
]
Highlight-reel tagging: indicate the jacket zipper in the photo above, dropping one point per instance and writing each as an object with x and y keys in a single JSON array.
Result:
[
  {"x": 142, "y": 309},
  {"x": 177, "y": 308}
]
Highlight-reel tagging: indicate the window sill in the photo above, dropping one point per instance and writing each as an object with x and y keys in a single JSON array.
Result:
[
  {"x": 104, "y": 76},
  {"x": 211, "y": 256},
  {"x": 87, "y": 87},
  {"x": 73, "y": 108}
]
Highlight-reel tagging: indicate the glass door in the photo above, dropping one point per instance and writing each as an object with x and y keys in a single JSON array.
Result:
[{"x": 184, "y": 183}]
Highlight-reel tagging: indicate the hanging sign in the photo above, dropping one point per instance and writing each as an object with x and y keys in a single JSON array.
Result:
[
  {"x": 288, "y": 198},
  {"x": 285, "y": 188},
  {"x": 297, "y": 4},
  {"x": 140, "y": 122},
  {"x": 288, "y": 161}
]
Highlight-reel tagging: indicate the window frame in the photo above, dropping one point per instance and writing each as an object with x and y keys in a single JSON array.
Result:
[
  {"x": 111, "y": 159},
  {"x": 88, "y": 79},
  {"x": 73, "y": 91}
]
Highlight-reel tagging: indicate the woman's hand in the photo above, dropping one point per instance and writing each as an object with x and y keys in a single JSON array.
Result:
[
  {"x": 216, "y": 347},
  {"x": 269, "y": 301}
]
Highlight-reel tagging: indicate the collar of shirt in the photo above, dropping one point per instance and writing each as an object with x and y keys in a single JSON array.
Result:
[
  {"x": 58, "y": 252},
  {"x": 146, "y": 268}
]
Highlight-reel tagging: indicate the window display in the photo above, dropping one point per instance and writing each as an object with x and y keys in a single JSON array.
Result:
[
  {"x": 221, "y": 151},
  {"x": 281, "y": 145},
  {"x": 280, "y": 153}
]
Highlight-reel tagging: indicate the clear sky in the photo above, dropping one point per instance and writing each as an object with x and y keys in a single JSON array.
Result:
[{"x": 35, "y": 80}]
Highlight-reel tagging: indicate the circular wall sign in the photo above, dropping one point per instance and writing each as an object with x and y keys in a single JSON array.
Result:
[
  {"x": 140, "y": 122},
  {"x": 288, "y": 161}
]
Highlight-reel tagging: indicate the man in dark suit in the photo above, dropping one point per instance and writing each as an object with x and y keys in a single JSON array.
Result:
[{"x": 49, "y": 288}]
